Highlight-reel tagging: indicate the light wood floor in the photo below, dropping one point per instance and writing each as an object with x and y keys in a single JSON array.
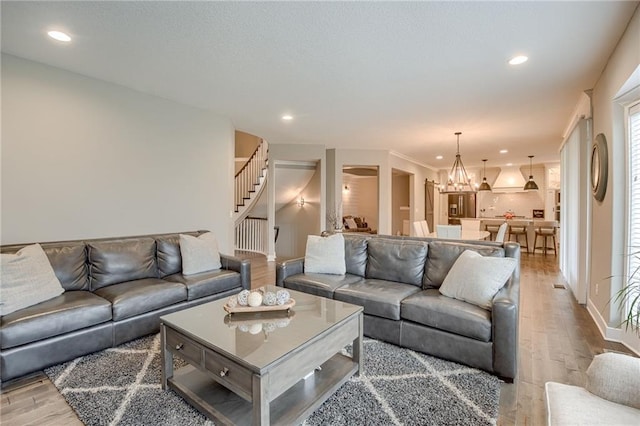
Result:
[{"x": 558, "y": 340}]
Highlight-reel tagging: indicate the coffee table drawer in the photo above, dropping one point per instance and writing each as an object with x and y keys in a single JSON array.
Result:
[
  {"x": 231, "y": 375},
  {"x": 184, "y": 347}
]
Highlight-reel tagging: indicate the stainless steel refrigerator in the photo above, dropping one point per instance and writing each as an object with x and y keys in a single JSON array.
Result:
[{"x": 461, "y": 206}]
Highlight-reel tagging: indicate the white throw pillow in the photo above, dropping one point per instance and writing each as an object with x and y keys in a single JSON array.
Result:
[
  {"x": 325, "y": 255},
  {"x": 476, "y": 279},
  {"x": 199, "y": 254},
  {"x": 27, "y": 279}
]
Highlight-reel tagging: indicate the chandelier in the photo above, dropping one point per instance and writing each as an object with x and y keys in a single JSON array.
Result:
[{"x": 459, "y": 181}]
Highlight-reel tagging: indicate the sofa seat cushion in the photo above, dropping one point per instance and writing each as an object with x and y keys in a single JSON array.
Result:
[
  {"x": 432, "y": 309},
  {"x": 319, "y": 284},
  {"x": 140, "y": 296},
  {"x": 70, "y": 311},
  {"x": 207, "y": 283},
  {"x": 378, "y": 297}
]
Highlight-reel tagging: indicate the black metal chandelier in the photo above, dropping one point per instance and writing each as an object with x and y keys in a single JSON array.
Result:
[
  {"x": 484, "y": 186},
  {"x": 530, "y": 185}
]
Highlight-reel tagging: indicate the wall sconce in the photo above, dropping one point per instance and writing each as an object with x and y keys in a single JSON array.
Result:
[{"x": 300, "y": 202}]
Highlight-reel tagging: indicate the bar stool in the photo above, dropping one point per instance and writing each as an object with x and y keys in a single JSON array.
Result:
[
  {"x": 519, "y": 229},
  {"x": 493, "y": 231},
  {"x": 545, "y": 230}
]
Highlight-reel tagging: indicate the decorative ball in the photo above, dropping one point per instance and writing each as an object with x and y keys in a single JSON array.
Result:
[
  {"x": 243, "y": 297},
  {"x": 282, "y": 297},
  {"x": 269, "y": 298},
  {"x": 232, "y": 302},
  {"x": 243, "y": 327},
  {"x": 283, "y": 323},
  {"x": 255, "y": 299},
  {"x": 255, "y": 328},
  {"x": 269, "y": 327}
]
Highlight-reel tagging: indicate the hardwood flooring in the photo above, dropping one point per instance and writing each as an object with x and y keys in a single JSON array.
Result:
[{"x": 557, "y": 342}]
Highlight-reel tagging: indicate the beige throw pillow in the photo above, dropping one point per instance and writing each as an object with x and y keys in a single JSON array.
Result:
[
  {"x": 476, "y": 279},
  {"x": 27, "y": 279},
  {"x": 199, "y": 254},
  {"x": 325, "y": 255},
  {"x": 616, "y": 378}
]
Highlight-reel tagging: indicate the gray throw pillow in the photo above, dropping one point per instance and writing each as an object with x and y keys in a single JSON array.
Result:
[{"x": 26, "y": 279}]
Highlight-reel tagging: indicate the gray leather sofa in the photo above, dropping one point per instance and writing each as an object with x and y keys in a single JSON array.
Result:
[
  {"x": 396, "y": 280},
  {"x": 116, "y": 289}
]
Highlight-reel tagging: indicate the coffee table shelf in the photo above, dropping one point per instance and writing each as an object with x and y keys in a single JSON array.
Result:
[{"x": 292, "y": 407}]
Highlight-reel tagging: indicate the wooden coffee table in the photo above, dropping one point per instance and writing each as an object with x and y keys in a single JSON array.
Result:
[{"x": 262, "y": 368}]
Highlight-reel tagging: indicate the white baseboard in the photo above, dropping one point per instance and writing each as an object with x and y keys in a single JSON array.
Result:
[{"x": 612, "y": 334}]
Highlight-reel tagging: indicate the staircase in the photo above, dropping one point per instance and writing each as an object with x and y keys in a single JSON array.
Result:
[{"x": 250, "y": 181}]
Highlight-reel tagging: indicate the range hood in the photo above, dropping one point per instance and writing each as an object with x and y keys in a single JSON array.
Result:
[{"x": 510, "y": 179}]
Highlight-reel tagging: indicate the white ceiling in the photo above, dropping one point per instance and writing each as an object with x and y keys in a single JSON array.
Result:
[{"x": 381, "y": 75}]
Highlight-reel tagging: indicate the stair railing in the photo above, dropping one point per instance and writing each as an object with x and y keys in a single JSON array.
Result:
[
  {"x": 251, "y": 235},
  {"x": 249, "y": 176}
]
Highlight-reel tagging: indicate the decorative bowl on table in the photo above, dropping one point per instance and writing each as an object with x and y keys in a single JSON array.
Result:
[{"x": 259, "y": 300}]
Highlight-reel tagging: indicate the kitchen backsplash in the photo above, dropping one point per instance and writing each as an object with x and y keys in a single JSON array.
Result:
[{"x": 520, "y": 203}]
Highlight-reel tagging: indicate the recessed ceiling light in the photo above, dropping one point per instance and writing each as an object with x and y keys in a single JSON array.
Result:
[
  {"x": 438, "y": 157},
  {"x": 517, "y": 60},
  {"x": 59, "y": 35},
  {"x": 287, "y": 117},
  {"x": 503, "y": 151},
  {"x": 509, "y": 164}
]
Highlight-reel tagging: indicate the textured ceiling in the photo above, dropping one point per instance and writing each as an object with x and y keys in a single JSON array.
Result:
[{"x": 382, "y": 75}]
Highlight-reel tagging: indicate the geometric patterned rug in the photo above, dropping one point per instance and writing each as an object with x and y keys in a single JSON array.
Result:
[{"x": 121, "y": 386}]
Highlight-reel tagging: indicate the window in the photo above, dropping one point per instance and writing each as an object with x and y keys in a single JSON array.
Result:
[{"x": 633, "y": 237}]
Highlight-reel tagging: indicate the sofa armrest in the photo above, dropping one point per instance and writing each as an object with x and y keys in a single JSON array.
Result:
[
  {"x": 504, "y": 322},
  {"x": 287, "y": 268},
  {"x": 241, "y": 266}
]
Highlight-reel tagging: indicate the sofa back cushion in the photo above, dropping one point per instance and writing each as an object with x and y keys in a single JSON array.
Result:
[
  {"x": 169, "y": 257},
  {"x": 116, "y": 261},
  {"x": 396, "y": 260},
  {"x": 68, "y": 260},
  {"x": 355, "y": 254},
  {"x": 442, "y": 256}
]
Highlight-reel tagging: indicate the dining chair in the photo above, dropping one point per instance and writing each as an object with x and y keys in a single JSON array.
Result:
[
  {"x": 502, "y": 230},
  {"x": 449, "y": 231},
  {"x": 418, "y": 230},
  {"x": 545, "y": 230},
  {"x": 492, "y": 226},
  {"x": 425, "y": 228}
]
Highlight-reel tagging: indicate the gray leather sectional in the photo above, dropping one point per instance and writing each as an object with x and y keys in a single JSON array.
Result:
[
  {"x": 116, "y": 289},
  {"x": 396, "y": 280}
]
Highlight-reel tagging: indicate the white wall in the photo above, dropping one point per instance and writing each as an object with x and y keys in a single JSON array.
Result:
[
  {"x": 297, "y": 222},
  {"x": 84, "y": 158},
  {"x": 305, "y": 153},
  {"x": 608, "y": 217}
]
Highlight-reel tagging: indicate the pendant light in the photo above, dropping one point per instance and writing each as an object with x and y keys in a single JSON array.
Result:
[
  {"x": 459, "y": 181},
  {"x": 530, "y": 185},
  {"x": 484, "y": 186}
]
